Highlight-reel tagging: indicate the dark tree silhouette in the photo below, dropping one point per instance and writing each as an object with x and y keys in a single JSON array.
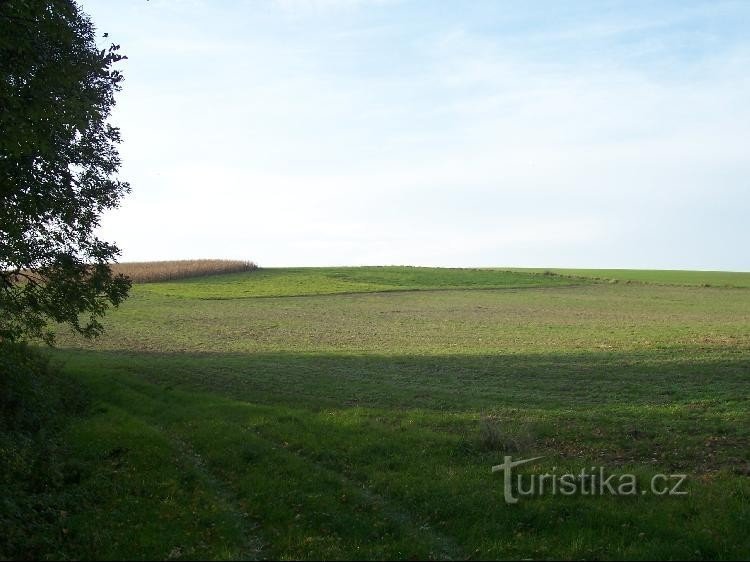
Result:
[{"x": 58, "y": 170}]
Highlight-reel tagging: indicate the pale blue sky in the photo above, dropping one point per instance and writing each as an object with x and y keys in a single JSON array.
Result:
[{"x": 329, "y": 132}]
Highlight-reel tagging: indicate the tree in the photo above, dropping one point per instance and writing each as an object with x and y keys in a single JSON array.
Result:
[{"x": 58, "y": 170}]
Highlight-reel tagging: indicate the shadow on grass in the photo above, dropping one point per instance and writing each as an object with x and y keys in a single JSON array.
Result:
[
  {"x": 442, "y": 383},
  {"x": 627, "y": 408},
  {"x": 341, "y": 456}
]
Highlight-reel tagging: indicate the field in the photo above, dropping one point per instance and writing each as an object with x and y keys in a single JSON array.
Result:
[
  {"x": 357, "y": 412},
  {"x": 660, "y": 277},
  {"x": 147, "y": 272},
  {"x": 289, "y": 282}
]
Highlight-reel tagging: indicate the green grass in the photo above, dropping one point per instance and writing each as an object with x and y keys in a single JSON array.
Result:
[
  {"x": 364, "y": 425},
  {"x": 281, "y": 282},
  {"x": 663, "y": 276}
]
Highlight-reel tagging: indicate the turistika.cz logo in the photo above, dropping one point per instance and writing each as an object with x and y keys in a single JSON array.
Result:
[{"x": 593, "y": 481}]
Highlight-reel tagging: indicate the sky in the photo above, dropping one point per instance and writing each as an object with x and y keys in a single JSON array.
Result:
[{"x": 441, "y": 133}]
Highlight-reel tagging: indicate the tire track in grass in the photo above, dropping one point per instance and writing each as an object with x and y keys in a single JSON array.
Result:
[
  {"x": 444, "y": 546},
  {"x": 133, "y": 401},
  {"x": 440, "y": 546},
  {"x": 141, "y": 492},
  {"x": 447, "y": 548},
  {"x": 252, "y": 549}
]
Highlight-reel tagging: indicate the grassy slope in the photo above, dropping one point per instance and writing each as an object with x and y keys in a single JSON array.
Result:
[
  {"x": 364, "y": 425},
  {"x": 279, "y": 282},
  {"x": 662, "y": 277}
]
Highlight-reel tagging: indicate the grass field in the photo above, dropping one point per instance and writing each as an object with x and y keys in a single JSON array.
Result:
[
  {"x": 285, "y": 282},
  {"x": 356, "y": 413},
  {"x": 661, "y": 277}
]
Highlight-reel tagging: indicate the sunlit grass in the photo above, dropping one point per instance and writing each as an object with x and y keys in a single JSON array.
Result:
[
  {"x": 663, "y": 277},
  {"x": 279, "y": 282}
]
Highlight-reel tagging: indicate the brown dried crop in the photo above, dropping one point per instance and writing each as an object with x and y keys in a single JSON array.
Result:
[{"x": 154, "y": 271}]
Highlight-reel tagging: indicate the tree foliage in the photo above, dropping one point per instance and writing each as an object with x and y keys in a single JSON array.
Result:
[{"x": 58, "y": 170}]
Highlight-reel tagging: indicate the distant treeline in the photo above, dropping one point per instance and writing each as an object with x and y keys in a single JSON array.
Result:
[{"x": 150, "y": 271}]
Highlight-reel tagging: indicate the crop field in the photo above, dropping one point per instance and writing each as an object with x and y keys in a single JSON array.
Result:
[
  {"x": 338, "y": 413},
  {"x": 151, "y": 271}
]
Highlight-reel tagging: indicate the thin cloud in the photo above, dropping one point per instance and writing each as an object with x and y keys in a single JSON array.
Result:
[{"x": 362, "y": 133}]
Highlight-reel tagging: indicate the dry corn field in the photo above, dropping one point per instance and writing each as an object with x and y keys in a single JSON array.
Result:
[{"x": 144, "y": 272}]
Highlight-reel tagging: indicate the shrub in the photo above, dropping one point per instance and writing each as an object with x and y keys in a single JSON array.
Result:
[{"x": 35, "y": 401}]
